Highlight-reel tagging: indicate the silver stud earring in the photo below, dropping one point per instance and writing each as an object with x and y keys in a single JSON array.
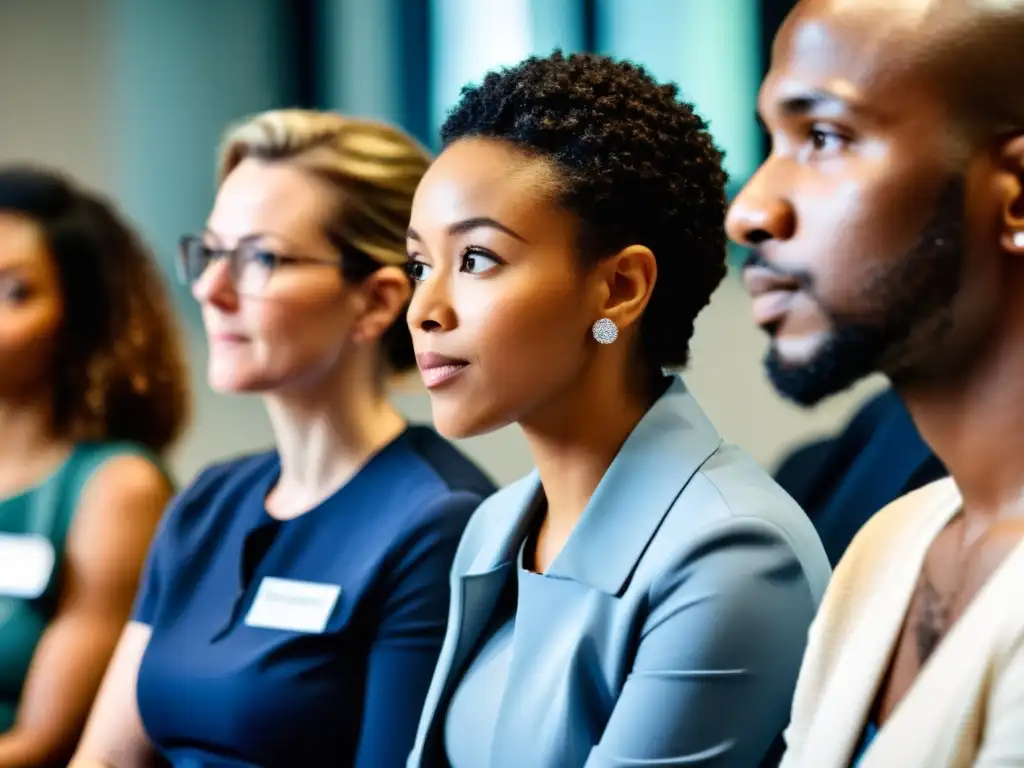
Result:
[
  {"x": 605, "y": 331},
  {"x": 1018, "y": 239}
]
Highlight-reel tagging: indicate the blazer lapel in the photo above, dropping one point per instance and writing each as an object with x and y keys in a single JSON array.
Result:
[
  {"x": 482, "y": 584},
  {"x": 475, "y": 594},
  {"x": 666, "y": 448}
]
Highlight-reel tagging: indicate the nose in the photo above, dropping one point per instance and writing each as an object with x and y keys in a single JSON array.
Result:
[
  {"x": 760, "y": 213},
  {"x": 216, "y": 286},
  {"x": 431, "y": 307}
]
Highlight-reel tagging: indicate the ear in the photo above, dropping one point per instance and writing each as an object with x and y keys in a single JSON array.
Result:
[
  {"x": 628, "y": 280},
  {"x": 385, "y": 294},
  {"x": 1011, "y": 189}
]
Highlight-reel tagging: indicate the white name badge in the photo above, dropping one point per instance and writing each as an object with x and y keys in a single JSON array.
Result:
[
  {"x": 296, "y": 606},
  {"x": 26, "y": 564}
]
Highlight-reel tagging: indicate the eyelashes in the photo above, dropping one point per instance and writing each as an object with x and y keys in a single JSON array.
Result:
[
  {"x": 472, "y": 261},
  {"x": 475, "y": 258},
  {"x": 13, "y": 291},
  {"x": 826, "y": 139}
]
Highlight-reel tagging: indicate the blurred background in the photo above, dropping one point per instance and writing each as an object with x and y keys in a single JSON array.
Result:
[{"x": 131, "y": 96}]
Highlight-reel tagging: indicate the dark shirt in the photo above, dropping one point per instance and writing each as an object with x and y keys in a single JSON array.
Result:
[
  {"x": 870, "y": 732},
  {"x": 218, "y": 686},
  {"x": 842, "y": 482}
]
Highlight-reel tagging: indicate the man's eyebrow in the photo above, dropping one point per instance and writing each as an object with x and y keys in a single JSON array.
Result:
[
  {"x": 815, "y": 101},
  {"x": 812, "y": 102}
]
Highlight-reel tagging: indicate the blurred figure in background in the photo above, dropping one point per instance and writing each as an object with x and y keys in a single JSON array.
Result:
[
  {"x": 888, "y": 234},
  {"x": 643, "y": 597},
  {"x": 295, "y": 601},
  {"x": 93, "y": 388}
]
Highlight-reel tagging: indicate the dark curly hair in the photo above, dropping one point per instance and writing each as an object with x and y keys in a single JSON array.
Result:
[
  {"x": 638, "y": 167},
  {"x": 119, "y": 371}
]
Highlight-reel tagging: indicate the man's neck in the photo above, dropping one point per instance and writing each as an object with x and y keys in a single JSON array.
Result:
[{"x": 974, "y": 423}]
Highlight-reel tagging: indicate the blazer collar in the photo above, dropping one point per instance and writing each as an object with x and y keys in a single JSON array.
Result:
[{"x": 666, "y": 448}]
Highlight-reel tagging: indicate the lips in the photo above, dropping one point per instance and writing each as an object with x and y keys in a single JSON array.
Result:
[
  {"x": 437, "y": 369},
  {"x": 228, "y": 338},
  {"x": 773, "y": 294},
  {"x": 769, "y": 309}
]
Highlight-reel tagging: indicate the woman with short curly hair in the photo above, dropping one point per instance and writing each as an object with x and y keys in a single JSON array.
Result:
[{"x": 642, "y": 597}]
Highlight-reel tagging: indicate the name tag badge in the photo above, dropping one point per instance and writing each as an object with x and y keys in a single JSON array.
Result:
[
  {"x": 296, "y": 606},
  {"x": 26, "y": 564}
]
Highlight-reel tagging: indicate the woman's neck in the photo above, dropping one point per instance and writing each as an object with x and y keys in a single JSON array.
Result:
[
  {"x": 573, "y": 449},
  {"x": 324, "y": 439},
  {"x": 29, "y": 447}
]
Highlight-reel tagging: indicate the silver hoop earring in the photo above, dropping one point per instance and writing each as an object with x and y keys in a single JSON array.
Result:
[{"x": 605, "y": 331}]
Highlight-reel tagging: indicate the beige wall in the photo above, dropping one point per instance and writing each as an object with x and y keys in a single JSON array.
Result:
[
  {"x": 56, "y": 105},
  {"x": 51, "y": 85}
]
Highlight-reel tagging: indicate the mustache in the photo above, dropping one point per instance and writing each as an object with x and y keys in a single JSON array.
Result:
[{"x": 756, "y": 259}]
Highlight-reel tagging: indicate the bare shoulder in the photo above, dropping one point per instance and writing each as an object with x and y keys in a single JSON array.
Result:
[
  {"x": 119, "y": 508},
  {"x": 126, "y": 479}
]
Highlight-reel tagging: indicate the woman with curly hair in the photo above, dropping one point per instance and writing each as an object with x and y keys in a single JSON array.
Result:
[
  {"x": 93, "y": 389},
  {"x": 643, "y": 596}
]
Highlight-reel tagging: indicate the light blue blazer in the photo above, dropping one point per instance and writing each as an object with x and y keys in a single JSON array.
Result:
[{"x": 677, "y": 616}]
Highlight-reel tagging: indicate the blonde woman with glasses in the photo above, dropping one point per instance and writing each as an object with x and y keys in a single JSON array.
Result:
[{"x": 295, "y": 600}]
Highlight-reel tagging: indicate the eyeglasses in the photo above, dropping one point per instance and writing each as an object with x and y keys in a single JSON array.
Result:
[{"x": 253, "y": 267}]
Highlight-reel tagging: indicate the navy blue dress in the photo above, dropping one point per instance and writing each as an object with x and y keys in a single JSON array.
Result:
[{"x": 308, "y": 642}]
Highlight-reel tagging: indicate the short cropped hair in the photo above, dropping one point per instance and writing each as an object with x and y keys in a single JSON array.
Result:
[{"x": 639, "y": 167}]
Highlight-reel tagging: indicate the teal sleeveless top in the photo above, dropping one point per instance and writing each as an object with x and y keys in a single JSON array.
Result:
[{"x": 37, "y": 521}]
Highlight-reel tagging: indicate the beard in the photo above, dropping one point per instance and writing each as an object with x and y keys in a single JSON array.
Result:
[{"x": 907, "y": 313}]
